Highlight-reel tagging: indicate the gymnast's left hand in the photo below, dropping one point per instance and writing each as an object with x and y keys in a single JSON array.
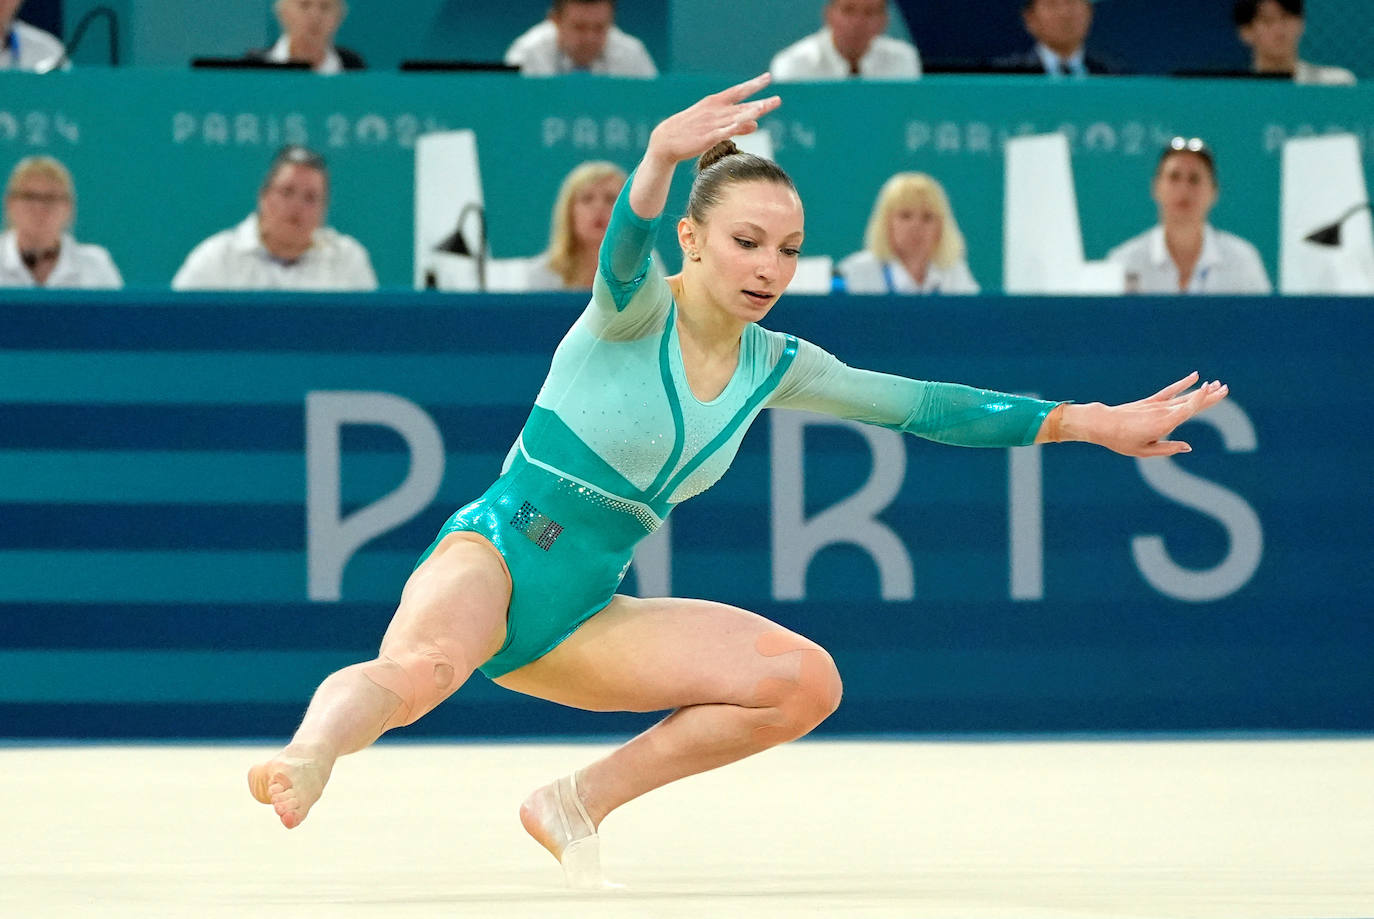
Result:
[{"x": 1139, "y": 428}]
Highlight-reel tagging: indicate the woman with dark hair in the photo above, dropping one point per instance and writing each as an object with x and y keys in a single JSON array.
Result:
[
  {"x": 1184, "y": 253},
  {"x": 645, "y": 404},
  {"x": 1273, "y": 31}
]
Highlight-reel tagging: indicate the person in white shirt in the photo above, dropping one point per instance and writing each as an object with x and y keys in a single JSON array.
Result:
[
  {"x": 851, "y": 44},
  {"x": 912, "y": 245},
  {"x": 308, "y": 29},
  {"x": 1184, "y": 254},
  {"x": 580, "y": 36},
  {"x": 24, "y": 47},
  {"x": 581, "y": 213},
  {"x": 284, "y": 245},
  {"x": 37, "y": 248},
  {"x": 1273, "y": 30}
]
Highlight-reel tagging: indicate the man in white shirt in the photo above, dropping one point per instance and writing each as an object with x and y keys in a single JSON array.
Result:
[
  {"x": 37, "y": 248},
  {"x": 851, "y": 44},
  {"x": 23, "y": 47},
  {"x": 1273, "y": 30},
  {"x": 284, "y": 245},
  {"x": 308, "y": 28},
  {"x": 580, "y": 36}
]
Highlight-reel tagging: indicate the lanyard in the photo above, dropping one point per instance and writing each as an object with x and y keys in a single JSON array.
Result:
[{"x": 892, "y": 286}]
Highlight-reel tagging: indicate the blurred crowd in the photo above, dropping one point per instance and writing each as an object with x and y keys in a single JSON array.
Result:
[{"x": 912, "y": 243}]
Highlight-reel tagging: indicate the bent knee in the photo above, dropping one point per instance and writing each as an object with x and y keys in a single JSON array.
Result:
[
  {"x": 421, "y": 677},
  {"x": 818, "y": 689},
  {"x": 799, "y": 704}
]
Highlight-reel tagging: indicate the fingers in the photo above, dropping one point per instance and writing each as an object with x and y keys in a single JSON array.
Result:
[
  {"x": 743, "y": 119},
  {"x": 1164, "y": 448},
  {"x": 764, "y": 106},
  {"x": 1203, "y": 398},
  {"x": 1173, "y": 389},
  {"x": 741, "y": 91}
]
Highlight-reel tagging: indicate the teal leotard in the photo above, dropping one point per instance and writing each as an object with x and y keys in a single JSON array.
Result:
[{"x": 616, "y": 438}]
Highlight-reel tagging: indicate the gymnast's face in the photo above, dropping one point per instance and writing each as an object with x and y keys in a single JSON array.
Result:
[
  {"x": 591, "y": 211},
  {"x": 1185, "y": 189},
  {"x": 745, "y": 253}
]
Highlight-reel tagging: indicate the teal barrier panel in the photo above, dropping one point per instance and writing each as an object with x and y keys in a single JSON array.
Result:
[
  {"x": 164, "y": 159},
  {"x": 160, "y": 456}
]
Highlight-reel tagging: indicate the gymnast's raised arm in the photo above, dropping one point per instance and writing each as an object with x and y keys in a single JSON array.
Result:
[{"x": 625, "y": 264}]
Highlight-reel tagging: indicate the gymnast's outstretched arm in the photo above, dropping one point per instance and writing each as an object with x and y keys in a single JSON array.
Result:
[{"x": 965, "y": 416}]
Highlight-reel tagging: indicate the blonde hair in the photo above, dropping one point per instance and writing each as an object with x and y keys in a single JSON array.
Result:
[
  {"x": 913, "y": 189},
  {"x": 562, "y": 252},
  {"x": 45, "y": 167}
]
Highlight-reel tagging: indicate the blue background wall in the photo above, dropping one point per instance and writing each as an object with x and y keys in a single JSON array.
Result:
[{"x": 153, "y": 550}]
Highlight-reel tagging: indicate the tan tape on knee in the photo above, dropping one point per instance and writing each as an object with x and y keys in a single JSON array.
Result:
[
  {"x": 420, "y": 679},
  {"x": 797, "y": 705}
]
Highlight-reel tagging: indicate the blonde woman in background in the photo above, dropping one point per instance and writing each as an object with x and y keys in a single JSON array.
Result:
[
  {"x": 912, "y": 244},
  {"x": 581, "y": 213},
  {"x": 37, "y": 248}
]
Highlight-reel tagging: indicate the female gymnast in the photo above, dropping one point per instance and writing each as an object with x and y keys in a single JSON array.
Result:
[{"x": 645, "y": 404}]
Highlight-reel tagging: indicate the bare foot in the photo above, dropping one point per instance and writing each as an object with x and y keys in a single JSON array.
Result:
[
  {"x": 557, "y": 819},
  {"x": 291, "y": 784}
]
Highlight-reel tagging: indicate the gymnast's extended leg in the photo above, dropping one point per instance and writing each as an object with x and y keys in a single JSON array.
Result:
[
  {"x": 738, "y": 683},
  {"x": 452, "y": 616}
]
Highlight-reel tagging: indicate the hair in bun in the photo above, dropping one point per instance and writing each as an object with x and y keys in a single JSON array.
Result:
[
  {"x": 717, "y": 153},
  {"x": 725, "y": 165}
]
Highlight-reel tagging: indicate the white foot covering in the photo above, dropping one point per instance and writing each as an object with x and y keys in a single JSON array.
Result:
[{"x": 555, "y": 817}]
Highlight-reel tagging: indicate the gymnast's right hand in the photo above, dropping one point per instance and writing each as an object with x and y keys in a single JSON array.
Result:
[{"x": 693, "y": 131}]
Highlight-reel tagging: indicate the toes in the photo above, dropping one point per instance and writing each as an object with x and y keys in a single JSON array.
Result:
[{"x": 257, "y": 785}]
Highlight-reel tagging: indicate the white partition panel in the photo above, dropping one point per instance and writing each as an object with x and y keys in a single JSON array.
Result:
[
  {"x": 450, "y": 220},
  {"x": 1326, "y": 243},
  {"x": 1043, "y": 245}
]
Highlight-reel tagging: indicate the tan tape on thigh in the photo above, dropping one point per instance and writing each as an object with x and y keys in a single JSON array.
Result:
[
  {"x": 420, "y": 679},
  {"x": 798, "y": 705}
]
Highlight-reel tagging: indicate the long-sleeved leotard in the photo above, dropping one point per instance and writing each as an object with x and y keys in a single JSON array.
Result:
[{"x": 616, "y": 438}]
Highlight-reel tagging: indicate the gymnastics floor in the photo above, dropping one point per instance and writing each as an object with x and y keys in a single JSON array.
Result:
[{"x": 914, "y": 828}]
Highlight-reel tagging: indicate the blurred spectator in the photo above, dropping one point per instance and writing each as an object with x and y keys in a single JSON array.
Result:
[
  {"x": 580, "y": 35},
  {"x": 1273, "y": 30},
  {"x": 37, "y": 248},
  {"x": 580, "y": 215},
  {"x": 912, "y": 244},
  {"x": 851, "y": 44},
  {"x": 1060, "y": 29},
  {"x": 308, "y": 28},
  {"x": 284, "y": 245},
  {"x": 25, "y": 47},
  {"x": 1184, "y": 253}
]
